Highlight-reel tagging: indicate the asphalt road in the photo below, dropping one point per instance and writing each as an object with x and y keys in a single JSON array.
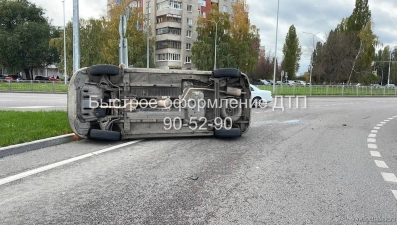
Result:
[
  {"x": 330, "y": 163},
  {"x": 32, "y": 101}
]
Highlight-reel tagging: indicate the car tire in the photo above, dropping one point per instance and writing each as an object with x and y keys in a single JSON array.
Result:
[
  {"x": 104, "y": 69},
  {"x": 256, "y": 99},
  {"x": 104, "y": 135},
  {"x": 224, "y": 133},
  {"x": 226, "y": 72}
]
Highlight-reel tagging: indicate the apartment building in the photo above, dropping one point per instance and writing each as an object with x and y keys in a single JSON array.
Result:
[{"x": 173, "y": 23}]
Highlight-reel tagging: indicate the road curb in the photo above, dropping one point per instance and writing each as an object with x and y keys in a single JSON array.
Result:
[{"x": 34, "y": 145}]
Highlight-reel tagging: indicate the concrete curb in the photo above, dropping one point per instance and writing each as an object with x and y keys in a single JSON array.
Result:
[{"x": 34, "y": 145}]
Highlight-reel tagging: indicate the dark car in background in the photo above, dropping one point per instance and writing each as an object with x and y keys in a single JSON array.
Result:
[{"x": 41, "y": 78}]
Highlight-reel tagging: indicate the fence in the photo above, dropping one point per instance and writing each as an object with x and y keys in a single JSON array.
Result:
[
  {"x": 33, "y": 86},
  {"x": 331, "y": 90}
]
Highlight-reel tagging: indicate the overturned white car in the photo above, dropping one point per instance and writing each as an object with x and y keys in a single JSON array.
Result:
[{"x": 108, "y": 102}]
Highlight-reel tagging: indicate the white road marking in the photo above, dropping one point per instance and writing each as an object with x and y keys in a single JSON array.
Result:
[
  {"x": 387, "y": 120},
  {"x": 376, "y": 128},
  {"x": 374, "y": 131},
  {"x": 394, "y": 193},
  {"x": 381, "y": 164},
  {"x": 382, "y": 122},
  {"x": 375, "y": 153},
  {"x": 389, "y": 177},
  {"x": 371, "y": 140},
  {"x": 372, "y": 135},
  {"x": 61, "y": 163},
  {"x": 379, "y": 125},
  {"x": 372, "y": 146},
  {"x": 390, "y": 118}
]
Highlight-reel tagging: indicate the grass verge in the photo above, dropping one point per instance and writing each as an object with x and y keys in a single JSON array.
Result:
[
  {"x": 19, "y": 127},
  {"x": 34, "y": 87}
]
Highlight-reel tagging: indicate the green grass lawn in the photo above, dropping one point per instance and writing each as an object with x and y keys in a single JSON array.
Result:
[
  {"x": 18, "y": 127},
  {"x": 33, "y": 86}
]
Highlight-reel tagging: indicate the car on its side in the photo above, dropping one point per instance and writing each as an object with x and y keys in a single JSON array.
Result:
[
  {"x": 259, "y": 96},
  {"x": 109, "y": 102}
]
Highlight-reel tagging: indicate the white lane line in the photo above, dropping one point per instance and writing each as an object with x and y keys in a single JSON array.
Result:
[
  {"x": 375, "y": 153},
  {"x": 61, "y": 163},
  {"x": 387, "y": 120},
  {"x": 394, "y": 193},
  {"x": 376, "y": 128},
  {"x": 389, "y": 177},
  {"x": 372, "y": 135},
  {"x": 381, "y": 164},
  {"x": 390, "y": 118},
  {"x": 372, "y": 146},
  {"x": 382, "y": 122},
  {"x": 379, "y": 125},
  {"x": 371, "y": 140},
  {"x": 374, "y": 131}
]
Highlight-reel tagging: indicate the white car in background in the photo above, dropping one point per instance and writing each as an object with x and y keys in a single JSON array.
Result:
[{"x": 258, "y": 95}]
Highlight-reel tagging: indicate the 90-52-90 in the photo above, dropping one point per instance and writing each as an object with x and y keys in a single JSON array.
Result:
[{"x": 197, "y": 123}]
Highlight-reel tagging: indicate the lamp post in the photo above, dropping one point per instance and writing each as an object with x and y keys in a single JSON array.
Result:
[
  {"x": 311, "y": 61},
  {"x": 388, "y": 77},
  {"x": 76, "y": 36},
  {"x": 64, "y": 44},
  {"x": 275, "y": 51},
  {"x": 216, "y": 37},
  {"x": 147, "y": 34}
]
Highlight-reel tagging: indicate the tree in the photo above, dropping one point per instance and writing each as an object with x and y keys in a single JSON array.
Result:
[
  {"x": 203, "y": 50},
  {"x": 292, "y": 53},
  {"x": 24, "y": 35},
  {"x": 237, "y": 40}
]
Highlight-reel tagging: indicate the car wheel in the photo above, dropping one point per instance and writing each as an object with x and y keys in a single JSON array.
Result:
[
  {"x": 103, "y": 69},
  {"x": 256, "y": 102},
  {"x": 224, "y": 133},
  {"x": 226, "y": 72},
  {"x": 104, "y": 135}
]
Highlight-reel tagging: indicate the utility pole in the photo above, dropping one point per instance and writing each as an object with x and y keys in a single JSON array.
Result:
[
  {"x": 215, "y": 42},
  {"x": 148, "y": 34},
  {"x": 64, "y": 44},
  {"x": 388, "y": 77},
  {"x": 76, "y": 36},
  {"x": 311, "y": 58},
  {"x": 275, "y": 51}
]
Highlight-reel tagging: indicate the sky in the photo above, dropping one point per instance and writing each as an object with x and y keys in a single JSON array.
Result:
[{"x": 308, "y": 16}]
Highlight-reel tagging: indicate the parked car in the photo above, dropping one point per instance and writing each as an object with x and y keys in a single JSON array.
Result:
[
  {"x": 41, "y": 78},
  {"x": 258, "y": 82},
  {"x": 390, "y": 86},
  {"x": 266, "y": 82},
  {"x": 260, "y": 96},
  {"x": 300, "y": 82},
  {"x": 2, "y": 77},
  {"x": 270, "y": 82},
  {"x": 289, "y": 82}
]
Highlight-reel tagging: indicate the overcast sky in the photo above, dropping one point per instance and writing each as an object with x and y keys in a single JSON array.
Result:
[{"x": 311, "y": 16}]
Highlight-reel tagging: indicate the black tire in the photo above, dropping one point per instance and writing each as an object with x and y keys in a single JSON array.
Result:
[
  {"x": 103, "y": 69},
  {"x": 232, "y": 112},
  {"x": 232, "y": 133},
  {"x": 104, "y": 135},
  {"x": 256, "y": 100},
  {"x": 226, "y": 72}
]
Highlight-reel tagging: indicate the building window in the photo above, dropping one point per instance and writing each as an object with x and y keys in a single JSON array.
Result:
[
  {"x": 188, "y": 59},
  {"x": 169, "y": 18},
  {"x": 168, "y": 44},
  {"x": 224, "y": 8},
  {"x": 190, "y": 21},
  {"x": 204, "y": 15},
  {"x": 189, "y": 8},
  {"x": 175, "y": 5},
  {"x": 188, "y": 46},
  {"x": 168, "y": 57},
  {"x": 169, "y": 30},
  {"x": 189, "y": 33}
]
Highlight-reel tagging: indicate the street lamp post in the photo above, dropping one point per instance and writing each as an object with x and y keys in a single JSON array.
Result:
[
  {"x": 216, "y": 37},
  {"x": 311, "y": 61},
  {"x": 147, "y": 34},
  {"x": 275, "y": 51},
  {"x": 64, "y": 44},
  {"x": 76, "y": 36},
  {"x": 388, "y": 77}
]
